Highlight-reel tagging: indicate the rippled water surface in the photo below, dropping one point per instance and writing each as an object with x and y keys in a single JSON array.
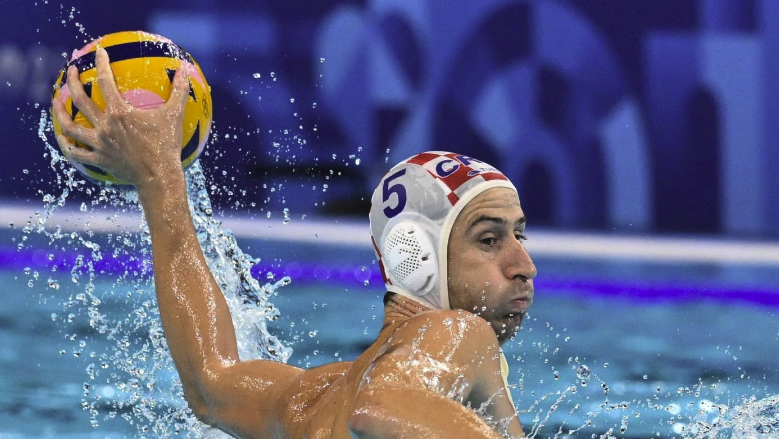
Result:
[
  {"x": 610, "y": 349},
  {"x": 657, "y": 366}
]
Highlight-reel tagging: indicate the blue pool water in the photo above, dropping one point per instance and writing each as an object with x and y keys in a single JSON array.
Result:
[{"x": 660, "y": 340}]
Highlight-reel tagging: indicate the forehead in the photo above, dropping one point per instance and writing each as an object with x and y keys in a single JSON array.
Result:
[{"x": 495, "y": 202}]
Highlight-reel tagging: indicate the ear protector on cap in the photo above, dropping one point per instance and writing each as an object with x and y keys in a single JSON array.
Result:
[{"x": 410, "y": 258}]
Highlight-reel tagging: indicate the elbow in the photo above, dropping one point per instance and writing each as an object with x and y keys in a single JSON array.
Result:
[
  {"x": 197, "y": 403},
  {"x": 201, "y": 399},
  {"x": 199, "y": 392}
]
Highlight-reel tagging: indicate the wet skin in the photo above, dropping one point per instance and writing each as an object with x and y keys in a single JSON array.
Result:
[
  {"x": 395, "y": 389},
  {"x": 490, "y": 272}
]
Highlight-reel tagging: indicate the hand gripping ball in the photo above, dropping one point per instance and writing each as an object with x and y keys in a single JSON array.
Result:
[{"x": 144, "y": 65}]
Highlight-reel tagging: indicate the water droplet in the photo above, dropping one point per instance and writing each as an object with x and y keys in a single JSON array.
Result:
[
  {"x": 256, "y": 76},
  {"x": 583, "y": 372}
]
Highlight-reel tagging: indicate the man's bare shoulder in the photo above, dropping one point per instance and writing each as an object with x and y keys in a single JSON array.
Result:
[
  {"x": 448, "y": 353},
  {"x": 452, "y": 329},
  {"x": 455, "y": 338}
]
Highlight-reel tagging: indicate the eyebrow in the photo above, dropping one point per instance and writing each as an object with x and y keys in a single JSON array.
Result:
[{"x": 494, "y": 220}]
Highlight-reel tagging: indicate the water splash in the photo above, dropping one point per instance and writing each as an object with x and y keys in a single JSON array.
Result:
[
  {"x": 134, "y": 379},
  {"x": 753, "y": 418}
]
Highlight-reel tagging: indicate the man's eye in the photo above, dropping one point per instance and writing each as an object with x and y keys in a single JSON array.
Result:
[
  {"x": 489, "y": 241},
  {"x": 520, "y": 237}
]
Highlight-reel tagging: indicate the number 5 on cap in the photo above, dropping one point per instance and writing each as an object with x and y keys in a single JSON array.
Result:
[{"x": 397, "y": 189}]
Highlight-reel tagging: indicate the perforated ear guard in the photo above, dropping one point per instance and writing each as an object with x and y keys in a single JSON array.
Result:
[{"x": 410, "y": 258}]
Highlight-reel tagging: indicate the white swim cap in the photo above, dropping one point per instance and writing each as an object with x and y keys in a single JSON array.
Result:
[{"x": 412, "y": 213}]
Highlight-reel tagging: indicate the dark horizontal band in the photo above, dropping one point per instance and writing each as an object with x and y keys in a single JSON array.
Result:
[{"x": 132, "y": 50}]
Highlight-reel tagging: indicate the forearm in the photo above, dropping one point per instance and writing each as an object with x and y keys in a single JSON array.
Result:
[
  {"x": 395, "y": 414},
  {"x": 195, "y": 316}
]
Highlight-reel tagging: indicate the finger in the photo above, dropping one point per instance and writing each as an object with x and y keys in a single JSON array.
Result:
[
  {"x": 105, "y": 78},
  {"x": 78, "y": 132},
  {"x": 73, "y": 152},
  {"x": 83, "y": 102},
  {"x": 180, "y": 93}
]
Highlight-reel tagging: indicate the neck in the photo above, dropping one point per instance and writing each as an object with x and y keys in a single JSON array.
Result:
[{"x": 400, "y": 308}]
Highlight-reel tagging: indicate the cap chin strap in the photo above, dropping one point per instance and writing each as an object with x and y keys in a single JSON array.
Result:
[{"x": 411, "y": 261}]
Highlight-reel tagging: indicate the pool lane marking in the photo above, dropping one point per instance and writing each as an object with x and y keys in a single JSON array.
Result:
[{"x": 353, "y": 233}]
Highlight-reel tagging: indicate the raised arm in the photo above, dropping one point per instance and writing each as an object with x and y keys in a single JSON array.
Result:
[
  {"x": 432, "y": 366},
  {"x": 143, "y": 147}
]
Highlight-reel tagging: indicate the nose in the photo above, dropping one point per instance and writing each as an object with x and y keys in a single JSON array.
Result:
[{"x": 518, "y": 262}]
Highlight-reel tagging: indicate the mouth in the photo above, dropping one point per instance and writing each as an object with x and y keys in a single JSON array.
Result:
[
  {"x": 524, "y": 298},
  {"x": 522, "y": 304}
]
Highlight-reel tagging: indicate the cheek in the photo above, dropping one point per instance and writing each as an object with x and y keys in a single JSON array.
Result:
[
  {"x": 466, "y": 291},
  {"x": 474, "y": 281}
]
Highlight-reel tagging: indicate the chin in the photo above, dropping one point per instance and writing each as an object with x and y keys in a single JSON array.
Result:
[{"x": 511, "y": 329}]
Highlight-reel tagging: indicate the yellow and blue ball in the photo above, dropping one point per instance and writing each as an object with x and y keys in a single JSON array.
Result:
[{"x": 144, "y": 65}]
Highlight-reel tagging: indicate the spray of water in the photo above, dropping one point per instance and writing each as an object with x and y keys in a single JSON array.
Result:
[
  {"x": 135, "y": 379},
  {"x": 136, "y": 376}
]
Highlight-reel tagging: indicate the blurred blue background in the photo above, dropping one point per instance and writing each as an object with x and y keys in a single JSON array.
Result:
[
  {"x": 613, "y": 117},
  {"x": 608, "y": 114}
]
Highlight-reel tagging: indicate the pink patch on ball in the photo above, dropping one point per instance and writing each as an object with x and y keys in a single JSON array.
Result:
[
  {"x": 143, "y": 99},
  {"x": 83, "y": 51},
  {"x": 194, "y": 73},
  {"x": 64, "y": 93}
]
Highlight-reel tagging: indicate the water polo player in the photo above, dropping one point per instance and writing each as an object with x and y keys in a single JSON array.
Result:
[{"x": 447, "y": 230}]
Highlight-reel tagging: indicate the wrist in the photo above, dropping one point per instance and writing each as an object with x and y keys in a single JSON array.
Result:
[{"x": 159, "y": 186}]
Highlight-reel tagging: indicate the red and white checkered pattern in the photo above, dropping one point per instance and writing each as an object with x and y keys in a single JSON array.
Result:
[{"x": 455, "y": 183}]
